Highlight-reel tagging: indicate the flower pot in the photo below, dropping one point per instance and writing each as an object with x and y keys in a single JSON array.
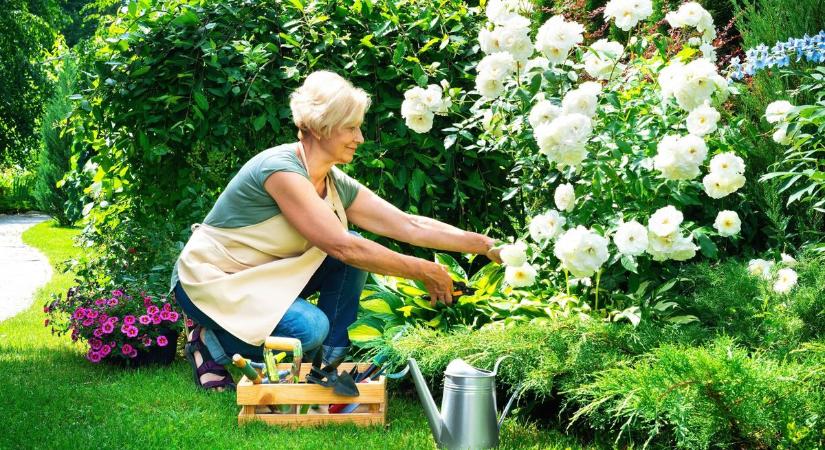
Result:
[{"x": 154, "y": 355}]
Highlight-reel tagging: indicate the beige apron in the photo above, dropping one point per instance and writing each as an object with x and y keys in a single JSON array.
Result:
[{"x": 246, "y": 278}]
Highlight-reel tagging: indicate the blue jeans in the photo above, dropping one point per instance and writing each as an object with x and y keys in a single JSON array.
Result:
[{"x": 339, "y": 286}]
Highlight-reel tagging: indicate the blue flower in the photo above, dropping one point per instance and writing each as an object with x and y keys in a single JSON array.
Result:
[{"x": 811, "y": 48}]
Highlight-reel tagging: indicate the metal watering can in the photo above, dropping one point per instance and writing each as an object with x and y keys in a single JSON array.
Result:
[{"x": 468, "y": 408}]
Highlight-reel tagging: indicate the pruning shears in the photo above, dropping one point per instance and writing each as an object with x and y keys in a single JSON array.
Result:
[{"x": 459, "y": 289}]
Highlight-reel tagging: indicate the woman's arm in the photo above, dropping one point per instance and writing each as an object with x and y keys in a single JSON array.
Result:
[
  {"x": 372, "y": 213},
  {"x": 313, "y": 219}
]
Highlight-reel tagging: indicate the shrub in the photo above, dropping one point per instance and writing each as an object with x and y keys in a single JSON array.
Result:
[
  {"x": 54, "y": 158},
  {"x": 16, "y": 186},
  {"x": 705, "y": 397}
]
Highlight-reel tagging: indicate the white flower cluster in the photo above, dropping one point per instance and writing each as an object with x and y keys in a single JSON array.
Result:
[
  {"x": 500, "y": 11},
  {"x": 565, "y": 197},
  {"x": 679, "y": 158},
  {"x": 702, "y": 120},
  {"x": 631, "y": 238},
  {"x": 493, "y": 71},
  {"x": 546, "y": 226},
  {"x": 557, "y": 37},
  {"x": 727, "y": 223},
  {"x": 581, "y": 251},
  {"x": 420, "y": 106},
  {"x": 562, "y": 132},
  {"x": 518, "y": 272},
  {"x": 511, "y": 36},
  {"x": 692, "y": 84},
  {"x": 726, "y": 175},
  {"x": 693, "y": 15},
  {"x": 777, "y": 113},
  {"x": 665, "y": 240},
  {"x": 601, "y": 59},
  {"x": 627, "y": 13},
  {"x": 786, "y": 278}
]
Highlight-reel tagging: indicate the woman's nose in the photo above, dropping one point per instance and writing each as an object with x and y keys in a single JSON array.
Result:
[{"x": 359, "y": 136}]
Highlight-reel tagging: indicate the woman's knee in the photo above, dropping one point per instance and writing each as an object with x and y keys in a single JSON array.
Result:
[{"x": 317, "y": 330}]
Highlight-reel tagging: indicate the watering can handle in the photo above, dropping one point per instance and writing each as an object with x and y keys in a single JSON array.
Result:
[{"x": 506, "y": 410}]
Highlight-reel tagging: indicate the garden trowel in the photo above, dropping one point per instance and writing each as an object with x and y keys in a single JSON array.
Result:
[{"x": 341, "y": 383}]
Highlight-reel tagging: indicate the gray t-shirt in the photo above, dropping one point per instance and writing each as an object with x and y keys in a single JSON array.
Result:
[{"x": 245, "y": 200}]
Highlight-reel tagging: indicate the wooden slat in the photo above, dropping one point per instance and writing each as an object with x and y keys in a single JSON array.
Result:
[
  {"x": 344, "y": 367},
  {"x": 288, "y": 394},
  {"x": 313, "y": 419}
]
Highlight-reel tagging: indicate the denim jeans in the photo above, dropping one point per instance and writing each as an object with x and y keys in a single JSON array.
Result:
[{"x": 339, "y": 286}]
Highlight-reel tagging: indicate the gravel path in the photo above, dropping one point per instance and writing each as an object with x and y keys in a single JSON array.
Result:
[{"x": 22, "y": 268}]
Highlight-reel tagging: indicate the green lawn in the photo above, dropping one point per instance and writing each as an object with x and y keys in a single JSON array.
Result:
[{"x": 52, "y": 397}]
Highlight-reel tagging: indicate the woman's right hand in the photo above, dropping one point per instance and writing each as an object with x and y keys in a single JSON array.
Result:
[{"x": 438, "y": 283}]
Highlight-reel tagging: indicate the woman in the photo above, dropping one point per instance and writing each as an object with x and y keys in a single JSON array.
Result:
[{"x": 278, "y": 233}]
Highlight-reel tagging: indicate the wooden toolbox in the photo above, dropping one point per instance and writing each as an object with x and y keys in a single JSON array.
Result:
[{"x": 373, "y": 396}]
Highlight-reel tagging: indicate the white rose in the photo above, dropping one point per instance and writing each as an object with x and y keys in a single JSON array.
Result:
[
  {"x": 693, "y": 149},
  {"x": 702, "y": 120},
  {"x": 669, "y": 78},
  {"x": 568, "y": 155},
  {"x": 489, "y": 40},
  {"x": 556, "y": 37},
  {"x": 627, "y": 13},
  {"x": 683, "y": 249},
  {"x": 785, "y": 281},
  {"x": 515, "y": 254},
  {"x": 727, "y": 163},
  {"x": 719, "y": 184},
  {"x": 415, "y": 94},
  {"x": 708, "y": 51},
  {"x": 543, "y": 112},
  {"x": 433, "y": 98},
  {"x": 778, "y": 111},
  {"x": 565, "y": 197},
  {"x": 420, "y": 123},
  {"x": 580, "y": 101},
  {"x": 489, "y": 86},
  {"x": 780, "y": 136},
  {"x": 546, "y": 226},
  {"x": 631, "y": 238},
  {"x": 727, "y": 223},
  {"x": 581, "y": 251},
  {"x": 760, "y": 267},
  {"x": 677, "y": 160},
  {"x": 600, "y": 59},
  {"x": 520, "y": 276},
  {"x": 665, "y": 221},
  {"x": 593, "y": 87},
  {"x": 414, "y": 106},
  {"x": 497, "y": 65},
  {"x": 788, "y": 259}
]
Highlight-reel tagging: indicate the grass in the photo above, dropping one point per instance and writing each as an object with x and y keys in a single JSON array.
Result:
[{"x": 52, "y": 397}]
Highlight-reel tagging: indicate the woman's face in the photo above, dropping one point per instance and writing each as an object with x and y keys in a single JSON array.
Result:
[{"x": 343, "y": 142}]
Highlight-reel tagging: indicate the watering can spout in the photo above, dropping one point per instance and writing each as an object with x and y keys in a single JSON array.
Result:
[{"x": 430, "y": 409}]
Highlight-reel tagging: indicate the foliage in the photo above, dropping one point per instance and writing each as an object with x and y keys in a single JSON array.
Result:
[
  {"x": 16, "y": 184},
  {"x": 115, "y": 325},
  {"x": 64, "y": 203},
  {"x": 801, "y": 168},
  {"x": 196, "y": 88},
  {"x": 27, "y": 32},
  {"x": 704, "y": 397}
]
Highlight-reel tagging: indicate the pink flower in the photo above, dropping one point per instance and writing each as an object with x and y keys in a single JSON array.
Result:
[
  {"x": 164, "y": 315},
  {"x": 105, "y": 350},
  {"x": 74, "y": 334},
  {"x": 131, "y": 331},
  {"x": 173, "y": 316},
  {"x": 92, "y": 314},
  {"x": 147, "y": 341},
  {"x": 190, "y": 323},
  {"x": 117, "y": 293},
  {"x": 132, "y": 354},
  {"x": 147, "y": 301},
  {"x": 87, "y": 322},
  {"x": 156, "y": 319},
  {"x": 95, "y": 344},
  {"x": 129, "y": 320},
  {"x": 98, "y": 332},
  {"x": 167, "y": 307},
  {"x": 102, "y": 318},
  {"x": 79, "y": 313},
  {"x": 100, "y": 302},
  {"x": 152, "y": 310},
  {"x": 162, "y": 341},
  {"x": 113, "y": 301},
  {"x": 126, "y": 349},
  {"x": 108, "y": 327},
  {"x": 145, "y": 320},
  {"x": 114, "y": 320},
  {"x": 93, "y": 356}
]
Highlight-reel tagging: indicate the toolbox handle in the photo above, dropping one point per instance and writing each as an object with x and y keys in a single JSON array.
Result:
[{"x": 282, "y": 343}]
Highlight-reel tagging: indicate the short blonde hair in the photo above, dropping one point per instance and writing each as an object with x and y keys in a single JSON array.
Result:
[{"x": 327, "y": 101}]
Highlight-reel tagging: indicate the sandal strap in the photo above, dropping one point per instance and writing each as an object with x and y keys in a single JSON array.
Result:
[{"x": 213, "y": 368}]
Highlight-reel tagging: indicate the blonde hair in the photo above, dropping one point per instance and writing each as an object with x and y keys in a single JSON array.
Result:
[{"x": 327, "y": 101}]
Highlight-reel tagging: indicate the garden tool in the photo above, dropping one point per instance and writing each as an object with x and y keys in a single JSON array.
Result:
[
  {"x": 247, "y": 369},
  {"x": 271, "y": 361},
  {"x": 328, "y": 376},
  {"x": 285, "y": 344},
  {"x": 362, "y": 377},
  {"x": 468, "y": 407},
  {"x": 459, "y": 289}
]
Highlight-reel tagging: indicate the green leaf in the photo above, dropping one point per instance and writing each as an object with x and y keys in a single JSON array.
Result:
[
  {"x": 452, "y": 265},
  {"x": 629, "y": 263},
  {"x": 200, "y": 100},
  {"x": 416, "y": 183},
  {"x": 706, "y": 246},
  {"x": 398, "y": 54},
  {"x": 682, "y": 320},
  {"x": 364, "y": 333},
  {"x": 377, "y": 306},
  {"x": 259, "y": 122}
]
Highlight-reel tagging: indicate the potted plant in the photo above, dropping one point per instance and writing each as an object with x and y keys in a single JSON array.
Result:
[{"x": 119, "y": 327}]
